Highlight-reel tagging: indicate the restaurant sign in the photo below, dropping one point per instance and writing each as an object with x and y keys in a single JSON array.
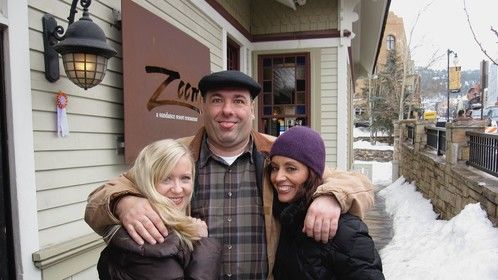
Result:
[{"x": 162, "y": 66}]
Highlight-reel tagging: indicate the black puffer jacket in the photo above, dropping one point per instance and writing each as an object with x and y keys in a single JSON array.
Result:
[
  {"x": 349, "y": 255},
  {"x": 124, "y": 259}
]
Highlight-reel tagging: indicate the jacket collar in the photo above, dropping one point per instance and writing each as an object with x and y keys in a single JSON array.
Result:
[{"x": 263, "y": 142}]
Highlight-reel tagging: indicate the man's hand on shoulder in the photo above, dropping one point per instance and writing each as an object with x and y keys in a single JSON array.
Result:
[
  {"x": 140, "y": 220},
  {"x": 322, "y": 218},
  {"x": 201, "y": 226}
]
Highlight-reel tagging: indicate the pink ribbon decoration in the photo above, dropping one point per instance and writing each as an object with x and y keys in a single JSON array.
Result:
[{"x": 62, "y": 125}]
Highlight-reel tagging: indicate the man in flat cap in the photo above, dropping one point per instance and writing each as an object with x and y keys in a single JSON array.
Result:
[{"x": 230, "y": 192}]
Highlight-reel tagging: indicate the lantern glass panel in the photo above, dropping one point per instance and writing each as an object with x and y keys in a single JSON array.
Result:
[{"x": 85, "y": 70}]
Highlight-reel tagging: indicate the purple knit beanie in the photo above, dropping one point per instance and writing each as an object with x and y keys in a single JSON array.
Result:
[{"x": 303, "y": 144}]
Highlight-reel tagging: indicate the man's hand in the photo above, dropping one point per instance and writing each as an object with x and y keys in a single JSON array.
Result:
[
  {"x": 140, "y": 220},
  {"x": 322, "y": 218},
  {"x": 202, "y": 228}
]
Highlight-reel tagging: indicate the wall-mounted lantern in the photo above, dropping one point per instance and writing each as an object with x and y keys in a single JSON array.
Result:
[{"x": 83, "y": 48}]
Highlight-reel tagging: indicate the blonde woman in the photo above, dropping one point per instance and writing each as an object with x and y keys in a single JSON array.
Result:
[{"x": 164, "y": 174}]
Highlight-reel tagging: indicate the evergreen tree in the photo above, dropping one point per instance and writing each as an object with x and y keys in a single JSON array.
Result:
[{"x": 385, "y": 107}]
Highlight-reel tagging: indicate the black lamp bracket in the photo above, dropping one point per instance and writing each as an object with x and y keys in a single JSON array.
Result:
[{"x": 52, "y": 33}]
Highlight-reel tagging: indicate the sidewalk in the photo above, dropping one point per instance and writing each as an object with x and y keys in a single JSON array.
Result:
[{"x": 379, "y": 223}]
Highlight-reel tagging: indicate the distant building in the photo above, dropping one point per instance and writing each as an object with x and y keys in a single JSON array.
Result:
[
  {"x": 394, "y": 38},
  {"x": 492, "y": 93},
  {"x": 474, "y": 94}
]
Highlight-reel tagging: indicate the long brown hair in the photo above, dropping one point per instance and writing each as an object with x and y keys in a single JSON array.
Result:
[{"x": 309, "y": 186}]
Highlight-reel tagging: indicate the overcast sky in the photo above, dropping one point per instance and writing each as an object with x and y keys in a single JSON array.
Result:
[{"x": 444, "y": 26}]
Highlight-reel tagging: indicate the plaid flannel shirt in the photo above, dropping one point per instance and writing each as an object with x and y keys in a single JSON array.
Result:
[{"x": 228, "y": 199}]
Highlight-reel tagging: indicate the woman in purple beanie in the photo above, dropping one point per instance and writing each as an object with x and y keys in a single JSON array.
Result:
[{"x": 296, "y": 169}]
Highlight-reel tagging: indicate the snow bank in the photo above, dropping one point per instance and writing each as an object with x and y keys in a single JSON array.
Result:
[{"x": 465, "y": 247}]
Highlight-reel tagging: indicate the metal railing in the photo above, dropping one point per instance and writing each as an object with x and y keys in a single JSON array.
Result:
[
  {"x": 483, "y": 151},
  {"x": 410, "y": 133},
  {"x": 436, "y": 139}
]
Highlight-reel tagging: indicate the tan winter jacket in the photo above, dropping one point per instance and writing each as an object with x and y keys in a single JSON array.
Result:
[{"x": 353, "y": 191}]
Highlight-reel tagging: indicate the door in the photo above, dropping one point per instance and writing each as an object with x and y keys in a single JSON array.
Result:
[
  {"x": 6, "y": 242},
  {"x": 285, "y": 98},
  {"x": 233, "y": 55}
]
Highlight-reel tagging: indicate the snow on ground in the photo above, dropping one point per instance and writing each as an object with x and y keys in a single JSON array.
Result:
[
  {"x": 361, "y": 132},
  {"x": 364, "y": 132},
  {"x": 465, "y": 247},
  {"x": 381, "y": 172},
  {"x": 361, "y": 144}
]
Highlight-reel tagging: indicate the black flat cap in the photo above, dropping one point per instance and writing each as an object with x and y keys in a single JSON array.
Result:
[{"x": 228, "y": 79}]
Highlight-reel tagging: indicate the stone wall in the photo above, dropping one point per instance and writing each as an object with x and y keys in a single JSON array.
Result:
[
  {"x": 373, "y": 155},
  {"x": 446, "y": 180},
  {"x": 383, "y": 139}
]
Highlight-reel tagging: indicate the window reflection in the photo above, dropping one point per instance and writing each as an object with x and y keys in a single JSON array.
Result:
[
  {"x": 284, "y": 85},
  {"x": 285, "y": 81}
]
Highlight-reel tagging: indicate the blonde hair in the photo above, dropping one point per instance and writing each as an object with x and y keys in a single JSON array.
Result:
[{"x": 155, "y": 162}]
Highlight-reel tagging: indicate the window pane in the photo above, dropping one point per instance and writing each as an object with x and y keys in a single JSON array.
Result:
[
  {"x": 267, "y": 73},
  {"x": 300, "y": 85},
  {"x": 267, "y": 62},
  {"x": 281, "y": 126},
  {"x": 290, "y": 122},
  {"x": 267, "y": 86},
  {"x": 271, "y": 126},
  {"x": 267, "y": 111},
  {"x": 301, "y": 121},
  {"x": 300, "y": 73},
  {"x": 284, "y": 85},
  {"x": 277, "y": 110},
  {"x": 301, "y": 110},
  {"x": 290, "y": 110},
  {"x": 290, "y": 61},
  {"x": 284, "y": 79},
  {"x": 267, "y": 99},
  {"x": 300, "y": 98},
  {"x": 391, "y": 42},
  {"x": 301, "y": 60}
]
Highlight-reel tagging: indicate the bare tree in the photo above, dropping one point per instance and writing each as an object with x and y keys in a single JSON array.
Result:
[
  {"x": 475, "y": 36},
  {"x": 406, "y": 60}
]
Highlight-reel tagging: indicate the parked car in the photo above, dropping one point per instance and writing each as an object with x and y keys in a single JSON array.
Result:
[
  {"x": 491, "y": 113},
  {"x": 475, "y": 110},
  {"x": 476, "y": 114}
]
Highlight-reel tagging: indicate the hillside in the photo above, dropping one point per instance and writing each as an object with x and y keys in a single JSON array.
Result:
[{"x": 433, "y": 82}]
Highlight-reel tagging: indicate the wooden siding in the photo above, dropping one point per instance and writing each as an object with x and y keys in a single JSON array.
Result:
[
  {"x": 350, "y": 111},
  {"x": 68, "y": 169},
  {"x": 240, "y": 10},
  {"x": 269, "y": 17},
  {"x": 328, "y": 107}
]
